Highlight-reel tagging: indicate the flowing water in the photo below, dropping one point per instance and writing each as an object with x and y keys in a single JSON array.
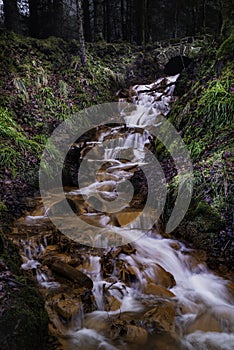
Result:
[{"x": 153, "y": 293}]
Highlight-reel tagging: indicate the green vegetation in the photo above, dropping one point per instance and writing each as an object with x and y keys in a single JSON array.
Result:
[
  {"x": 23, "y": 309},
  {"x": 204, "y": 115},
  {"x": 15, "y": 146}
]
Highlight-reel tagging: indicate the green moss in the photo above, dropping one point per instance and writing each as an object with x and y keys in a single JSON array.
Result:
[
  {"x": 227, "y": 47},
  {"x": 24, "y": 322},
  {"x": 14, "y": 144},
  {"x": 3, "y": 209},
  {"x": 204, "y": 116}
]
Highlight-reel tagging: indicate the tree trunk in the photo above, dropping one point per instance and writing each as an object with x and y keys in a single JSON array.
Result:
[
  {"x": 227, "y": 10},
  {"x": 33, "y": 18},
  {"x": 58, "y": 18},
  {"x": 83, "y": 56},
  {"x": 87, "y": 21},
  {"x": 140, "y": 20},
  {"x": 11, "y": 15},
  {"x": 98, "y": 20},
  {"x": 41, "y": 19}
]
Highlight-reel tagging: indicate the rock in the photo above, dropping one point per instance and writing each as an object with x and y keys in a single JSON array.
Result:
[
  {"x": 126, "y": 249},
  {"x": 163, "y": 277},
  {"x": 205, "y": 323},
  {"x": 230, "y": 287},
  {"x": 165, "y": 340},
  {"x": 130, "y": 333},
  {"x": 175, "y": 245},
  {"x": 127, "y": 216},
  {"x": 137, "y": 335},
  {"x": 62, "y": 257},
  {"x": 112, "y": 303},
  {"x": 69, "y": 272},
  {"x": 127, "y": 273},
  {"x": 51, "y": 248},
  {"x": 158, "y": 291},
  {"x": 161, "y": 317},
  {"x": 66, "y": 306}
]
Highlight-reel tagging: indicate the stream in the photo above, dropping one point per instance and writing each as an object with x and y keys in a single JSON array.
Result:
[{"x": 133, "y": 289}]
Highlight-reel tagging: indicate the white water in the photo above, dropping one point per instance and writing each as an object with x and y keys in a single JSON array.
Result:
[{"x": 204, "y": 308}]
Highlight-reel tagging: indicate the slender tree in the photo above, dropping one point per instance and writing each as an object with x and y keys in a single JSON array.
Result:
[
  {"x": 11, "y": 15},
  {"x": 57, "y": 18},
  {"x": 98, "y": 20},
  {"x": 87, "y": 20},
  {"x": 83, "y": 56},
  {"x": 227, "y": 11}
]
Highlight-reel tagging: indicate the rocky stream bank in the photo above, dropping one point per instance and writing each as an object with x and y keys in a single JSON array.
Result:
[{"x": 125, "y": 278}]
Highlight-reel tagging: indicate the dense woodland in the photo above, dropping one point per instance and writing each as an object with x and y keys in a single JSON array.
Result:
[{"x": 135, "y": 21}]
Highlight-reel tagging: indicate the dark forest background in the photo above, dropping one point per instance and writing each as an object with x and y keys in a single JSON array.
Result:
[{"x": 136, "y": 21}]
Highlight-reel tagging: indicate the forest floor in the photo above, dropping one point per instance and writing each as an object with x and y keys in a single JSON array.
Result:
[{"x": 43, "y": 82}]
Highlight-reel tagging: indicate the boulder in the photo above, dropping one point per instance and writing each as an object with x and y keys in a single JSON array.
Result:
[
  {"x": 135, "y": 334},
  {"x": 163, "y": 277},
  {"x": 161, "y": 318},
  {"x": 66, "y": 306},
  {"x": 112, "y": 303},
  {"x": 158, "y": 291}
]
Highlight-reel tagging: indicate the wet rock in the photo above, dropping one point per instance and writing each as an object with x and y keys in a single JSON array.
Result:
[
  {"x": 127, "y": 273},
  {"x": 165, "y": 340},
  {"x": 175, "y": 245},
  {"x": 62, "y": 257},
  {"x": 126, "y": 217},
  {"x": 51, "y": 249},
  {"x": 56, "y": 327},
  {"x": 130, "y": 333},
  {"x": 107, "y": 264},
  {"x": 158, "y": 291},
  {"x": 69, "y": 272},
  {"x": 66, "y": 306},
  {"x": 137, "y": 335},
  {"x": 127, "y": 249},
  {"x": 230, "y": 287},
  {"x": 205, "y": 323},
  {"x": 161, "y": 318},
  {"x": 163, "y": 277},
  {"x": 112, "y": 303}
]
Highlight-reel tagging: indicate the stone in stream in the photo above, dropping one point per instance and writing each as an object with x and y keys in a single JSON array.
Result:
[
  {"x": 126, "y": 249},
  {"x": 163, "y": 277},
  {"x": 161, "y": 318},
  {"x": 63, "y": 269},
  {"x": 111, "y": 303},
  {"x": 205, "y": 323},
  {"x": 158, "y": 291},
  {"x": 66, "y": 306},
  {"x": 135, "y": 334},
  {"x": 125, "y": 217},
  {"x": 130, "y": 333}
]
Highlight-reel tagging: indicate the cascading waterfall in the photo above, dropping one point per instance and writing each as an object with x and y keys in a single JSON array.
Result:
[{"x": 159, "y": 294}]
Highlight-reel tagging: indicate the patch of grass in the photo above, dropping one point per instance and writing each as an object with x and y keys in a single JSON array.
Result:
[
  {"x": 15, "y": 146},
  {"x": 216, "y": 105}
]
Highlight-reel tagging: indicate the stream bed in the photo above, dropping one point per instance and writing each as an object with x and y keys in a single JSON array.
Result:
[{"x": 130, "y": 289}]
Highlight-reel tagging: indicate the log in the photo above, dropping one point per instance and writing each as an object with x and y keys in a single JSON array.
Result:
[{"x": 69, "y": 272}]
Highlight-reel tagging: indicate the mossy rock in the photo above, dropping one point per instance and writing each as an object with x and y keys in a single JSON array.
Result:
[
  {"x": 201, "y": 225},
  {"x": 23, "y": 324}
]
